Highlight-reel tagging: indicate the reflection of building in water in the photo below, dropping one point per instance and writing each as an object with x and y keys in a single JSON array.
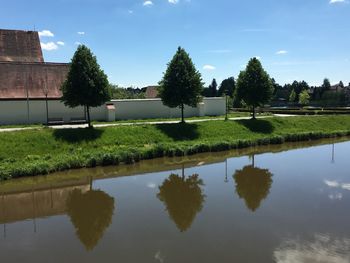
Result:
[
  {"x": 183, "y": 198},
  {"x": 253, "y": 184},
  {"x": 90, "y": 210},
  {"x": 36, "y": 204}
]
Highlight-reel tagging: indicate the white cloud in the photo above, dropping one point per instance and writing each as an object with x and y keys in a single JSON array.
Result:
[
  {"x": 173, "y": 1},
  {"x": 46, "y": 33},
  {"x": 81, "y": 33},
  {"x": 147, "y": 3},
  {"x": 337, "y": 1},
  {"x": 258, "y": 57},
  {"x": 281, "y": 52},
  {"x": 60, "y": 43},
  {"x": 49, "y": 46},
  {"x": 209, "y": 67},
  {"x": 130, "y": 11}
]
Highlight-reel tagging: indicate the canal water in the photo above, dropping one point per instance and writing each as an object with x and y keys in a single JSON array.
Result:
[{"x": 288, "y": 203}]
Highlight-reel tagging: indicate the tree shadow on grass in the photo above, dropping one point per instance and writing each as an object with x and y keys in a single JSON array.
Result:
[
  {"x": 78, "y": 135},
  {"x": 180, "y": 131},
  {"x": 259, "y": 126}
]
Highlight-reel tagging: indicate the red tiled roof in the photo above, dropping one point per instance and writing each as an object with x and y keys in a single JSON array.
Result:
[
  {"x": 20, "y": 46},
  {"x": 19, "y": 79}
]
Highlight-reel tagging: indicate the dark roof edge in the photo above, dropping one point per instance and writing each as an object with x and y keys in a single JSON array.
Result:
[
  {"x": 19, "y": 30},
  {"x": 35, "y": 63}
]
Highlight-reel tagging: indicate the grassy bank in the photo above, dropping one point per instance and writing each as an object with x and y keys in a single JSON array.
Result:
[{"x": 44, "y": 151}]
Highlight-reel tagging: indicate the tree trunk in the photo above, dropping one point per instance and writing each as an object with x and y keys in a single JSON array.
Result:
[
  {"x": 253, "y": 112},
  {"x": 182, "y": 113},
  {"x": 88, "y": 116}
]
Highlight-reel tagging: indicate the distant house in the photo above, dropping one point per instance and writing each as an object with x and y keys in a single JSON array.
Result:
[
  {"x": 337, "y": 88},
  {"x": 151, "y": 92}
]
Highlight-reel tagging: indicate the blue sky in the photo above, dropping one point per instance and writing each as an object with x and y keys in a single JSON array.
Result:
[{"x": 135, "y": 39}]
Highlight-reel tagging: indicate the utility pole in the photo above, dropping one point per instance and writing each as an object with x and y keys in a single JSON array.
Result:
[
  {"x": 226, "y": 178},
  {"x": 226, "y": 117},
  {"x": 3, "y": 210},
  {"x": 46, "y": 90},
  {"x": 27, "y": 91}
]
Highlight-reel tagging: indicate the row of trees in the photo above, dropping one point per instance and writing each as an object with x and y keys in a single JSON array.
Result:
[
  {"x": 87, "y": 85},
  {"x": 182, "y": 84},
  {"x": 323, "y": 94},
  {"x": 227, "y": 87}
]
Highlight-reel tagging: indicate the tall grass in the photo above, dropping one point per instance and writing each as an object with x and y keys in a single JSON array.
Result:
[{"x": 34, "y": 152}]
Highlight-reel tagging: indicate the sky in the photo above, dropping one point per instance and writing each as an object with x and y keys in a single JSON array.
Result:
[{"x": 135, "y": 39}]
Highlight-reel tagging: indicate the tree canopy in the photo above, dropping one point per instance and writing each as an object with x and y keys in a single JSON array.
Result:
[
  {"x": 254, "y": 85},
  {"x": 213, "y": 88},
  {"x": 227, "y": 87},
  {"x": 86, "y": 84},
  {"x": 181, "y": 84},
  {"x": 183, "y": 199},
  {"x": 326, "y": 84},
  {"x": 292, "y": 96},
  {"x": 304, "y": 97}
]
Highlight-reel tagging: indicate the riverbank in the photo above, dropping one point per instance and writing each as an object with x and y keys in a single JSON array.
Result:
[{"x": 43, "y": 151}]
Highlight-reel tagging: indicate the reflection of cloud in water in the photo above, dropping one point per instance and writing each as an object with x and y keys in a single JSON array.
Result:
[
  {"x": 331, "y": 183},
  {"x": 158, "y": 256},
  {"x": 346, "y": 186},
  {"x": 335, "y": 184},
  {"x": 336, "y": 196},
  {"x": 151, "y": 185},
  {"x": 323, "y": 249}
]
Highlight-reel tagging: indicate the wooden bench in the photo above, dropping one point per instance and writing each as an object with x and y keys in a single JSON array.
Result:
[
  {"x": 78, "y": 120},
  {"x": 55, "y": 121}
]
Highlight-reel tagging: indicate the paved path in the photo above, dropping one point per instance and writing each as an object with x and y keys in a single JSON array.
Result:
[{"x": 133, "y": 123}]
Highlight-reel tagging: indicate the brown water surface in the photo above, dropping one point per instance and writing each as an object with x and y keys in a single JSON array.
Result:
[{"x": 285, "y": 203}]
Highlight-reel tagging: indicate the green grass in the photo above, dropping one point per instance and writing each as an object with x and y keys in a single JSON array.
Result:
[{"x": 43, "y": 151}]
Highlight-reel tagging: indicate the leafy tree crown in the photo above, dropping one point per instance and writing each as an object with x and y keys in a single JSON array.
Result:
[
  {"x": 86, "y": 83},
  {"x": 182, "y": 83},
  {"x": 254, "y": 85}
]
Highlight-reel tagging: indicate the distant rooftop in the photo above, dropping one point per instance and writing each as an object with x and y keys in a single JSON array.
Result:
[{"x": 20, "y": 46}]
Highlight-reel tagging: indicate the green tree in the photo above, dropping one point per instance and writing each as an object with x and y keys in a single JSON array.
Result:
[
  {"x": 181, "y": 84},
  {"x": 86, "y": 84},
  {"x": 276, "y": 86},
  {"x": 292, "y": 96},
  {"x": 326, "y": 84},
  {"x": 304, "y": 97},
  {"x": 183, "y": 199},
  {"x": 91, "y": 213},
  {"x": 254, "y": 85},
  {"x": 227, "y": 87},
  {"x": 213, "y": 88}
]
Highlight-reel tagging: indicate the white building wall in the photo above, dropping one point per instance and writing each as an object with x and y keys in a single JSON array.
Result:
[{"x": 16, "y": 112}]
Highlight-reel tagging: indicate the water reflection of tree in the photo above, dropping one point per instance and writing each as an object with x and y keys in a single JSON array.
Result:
[
  {"x": 91, "y": 213},
  {"x": 183, "y": 198},
  {"x": 253, "y": 185}
]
